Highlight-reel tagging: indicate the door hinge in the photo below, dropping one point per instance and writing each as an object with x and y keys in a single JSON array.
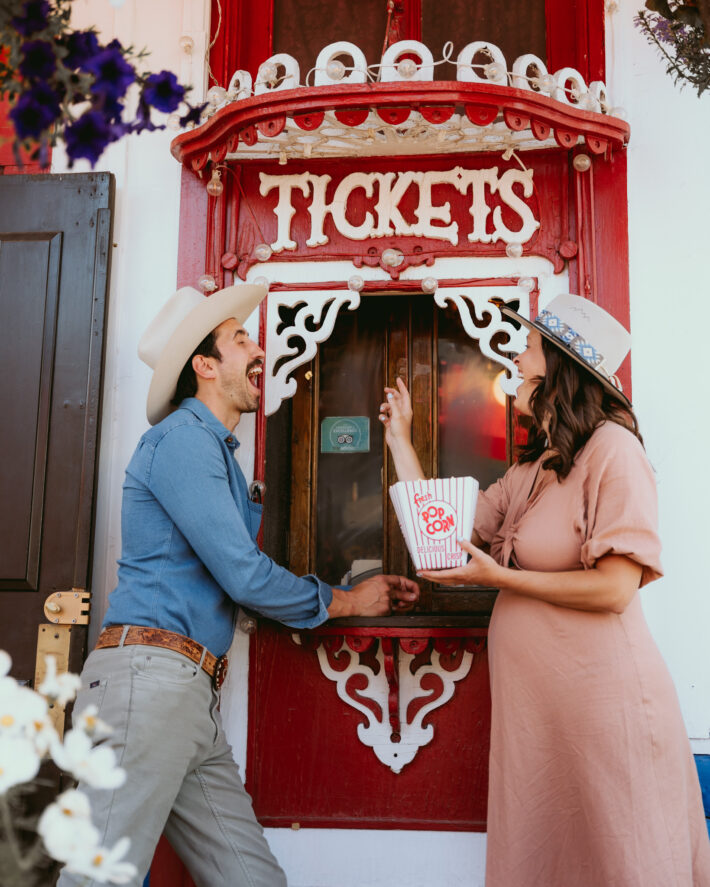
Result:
[{"x": 68, "y": 607}]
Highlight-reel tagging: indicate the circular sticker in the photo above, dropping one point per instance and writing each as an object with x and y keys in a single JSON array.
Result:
[
  {"x": 344, "y": 432},
  {"x": 437, "y": 520}
]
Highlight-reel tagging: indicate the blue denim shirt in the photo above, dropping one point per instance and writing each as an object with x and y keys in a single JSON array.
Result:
[{"x": 189, "y": 552}]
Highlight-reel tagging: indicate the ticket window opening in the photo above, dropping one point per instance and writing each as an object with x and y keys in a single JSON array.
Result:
[{"x": 328, "y": 470}]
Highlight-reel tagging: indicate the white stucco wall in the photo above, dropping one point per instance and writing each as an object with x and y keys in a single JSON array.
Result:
[
  {"x": 668, "y": 192},
  {"x": 669, "y": 181}
]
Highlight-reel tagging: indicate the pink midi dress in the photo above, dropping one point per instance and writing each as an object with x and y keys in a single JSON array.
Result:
[{"x": 592, "y": 781}]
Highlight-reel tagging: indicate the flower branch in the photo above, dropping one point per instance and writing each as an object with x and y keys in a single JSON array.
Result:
[{"x": 65, "y": 84}]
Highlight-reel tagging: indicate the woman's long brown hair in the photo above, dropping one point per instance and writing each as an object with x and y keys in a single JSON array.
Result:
[{"x": 576, "y": 405}]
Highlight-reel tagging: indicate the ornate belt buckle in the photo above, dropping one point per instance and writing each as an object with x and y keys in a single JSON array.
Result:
[{"x": 220, "y": 672}]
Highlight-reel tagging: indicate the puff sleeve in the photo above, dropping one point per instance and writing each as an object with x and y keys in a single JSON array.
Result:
[{"x": 621, "y": 502}]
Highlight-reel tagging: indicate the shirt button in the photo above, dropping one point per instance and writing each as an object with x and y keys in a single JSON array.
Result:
[{"x": 230, "y": 441}]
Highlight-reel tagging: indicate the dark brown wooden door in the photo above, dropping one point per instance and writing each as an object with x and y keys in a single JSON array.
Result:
[{"x": 55, "y": 238}]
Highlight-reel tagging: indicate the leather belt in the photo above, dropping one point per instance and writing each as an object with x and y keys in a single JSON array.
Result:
[{"x": 168, "y": 640}]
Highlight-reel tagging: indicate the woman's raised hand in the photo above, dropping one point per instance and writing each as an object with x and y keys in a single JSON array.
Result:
[{"x": 396, "y": 414}]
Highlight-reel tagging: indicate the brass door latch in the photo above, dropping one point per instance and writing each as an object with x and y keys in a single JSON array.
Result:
[{"x": 68, "y": 607}]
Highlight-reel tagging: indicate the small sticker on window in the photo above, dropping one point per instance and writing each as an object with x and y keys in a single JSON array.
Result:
[{"x": 345, "y": 434}]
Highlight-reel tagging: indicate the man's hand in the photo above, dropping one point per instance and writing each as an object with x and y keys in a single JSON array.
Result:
[{"x": 378, "y": 596}]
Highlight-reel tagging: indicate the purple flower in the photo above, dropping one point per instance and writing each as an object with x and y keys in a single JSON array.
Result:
[
  {"x": 194, "y": 114},
  {"x": 81, "y": 46},
  {"x": 88, "y": 136},
  {"x": 109, "y": 107},
  {"x": 35, "y": 111},
  {"x": 163, "y": 91},
  {"x": 663, "y": 30},
  {"x": 113, "y": 75},
  {"x": 38, "y": 60},
  {"x": 34, "y": 17},
  {"x": 143, "y": 123}
]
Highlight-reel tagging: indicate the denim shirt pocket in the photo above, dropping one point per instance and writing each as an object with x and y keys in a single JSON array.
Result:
[{"x": 255, "y": 511}]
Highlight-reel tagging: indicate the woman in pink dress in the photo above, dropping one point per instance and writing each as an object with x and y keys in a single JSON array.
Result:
[{"x": 592, "y": 781}]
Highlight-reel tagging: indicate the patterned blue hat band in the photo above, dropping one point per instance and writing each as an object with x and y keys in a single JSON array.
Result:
[{"x": 577, "y": 343}]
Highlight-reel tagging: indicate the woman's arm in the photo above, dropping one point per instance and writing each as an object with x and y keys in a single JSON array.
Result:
[
  {"x": 396, "y": 416},
  {"x": 607, "y": 588}
]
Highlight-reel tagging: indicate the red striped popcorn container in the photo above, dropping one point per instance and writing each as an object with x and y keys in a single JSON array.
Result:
[{"x": 432, "y": 515}]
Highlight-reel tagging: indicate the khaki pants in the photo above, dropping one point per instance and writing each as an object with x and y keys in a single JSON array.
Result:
[{"x": 181, "y": 777}]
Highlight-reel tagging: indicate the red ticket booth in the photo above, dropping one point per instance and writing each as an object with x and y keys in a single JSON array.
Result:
[{"x": 387, "y": 186}]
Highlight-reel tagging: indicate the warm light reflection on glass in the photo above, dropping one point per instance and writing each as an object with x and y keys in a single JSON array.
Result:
[{"x": 498, "y": 392}]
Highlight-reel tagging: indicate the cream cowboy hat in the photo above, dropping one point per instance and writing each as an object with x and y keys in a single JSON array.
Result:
[
  {"x": 586, "y": 333},
  {"x": 179, "y": 327}
]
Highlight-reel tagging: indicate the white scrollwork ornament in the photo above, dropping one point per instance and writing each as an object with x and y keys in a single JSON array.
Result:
[
  {"x": 478, "y": 299},
  {"x": 290, "y": 345},
  {"x": 376, "y": 731}
]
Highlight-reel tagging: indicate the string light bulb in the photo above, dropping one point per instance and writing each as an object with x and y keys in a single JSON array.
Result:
[
  {"x": 355, "y": 283},
  {"x": 268, "y": 73},
  {"x": 392, "y": 257},
  {"x": 514, "y": 250},
  {"x": 526, "y": 284},
  {"x": 207, "y": 283},
  {"x": 215, "y": 186},
  {"x": 407, "y": 68},
  {"x": 335, "y": 69},
  {"x": 261, "y": 281},
  {"x": 430, "y": 285},
  {"x": 263, "y": 252},
  {"x": 582, "y": 162},
  {"x": 546, "y": 83},
  {"x": 494, "y": 71},
  {"x": 216, "y": 95}
]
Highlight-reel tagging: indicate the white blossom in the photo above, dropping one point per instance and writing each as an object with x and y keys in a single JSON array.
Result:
[
  {"x": 66, "y": 828},
  {"x": 22, "y": 711},
  {"x": 19, "y": 761},
  {"x": 95, "y": 766},
  {"x": 88, "y": 722},
  {"x": 103, "y": 864},
  {"x": 60, "y": 688}
]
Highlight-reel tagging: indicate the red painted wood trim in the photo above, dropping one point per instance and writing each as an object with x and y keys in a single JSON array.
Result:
[
  {"x": 611, "y": 232},
  {"x": 196, "y": 147},
  {"x": 376, "y": 286},
  {"x": 167, "y": 869},
  {"x": 575, "y": 37},
  {"x": 332, "y": 629}
]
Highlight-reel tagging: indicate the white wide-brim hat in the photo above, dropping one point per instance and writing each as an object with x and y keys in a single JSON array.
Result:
[
  {"x": 586, "y": 333},
  {"x": 179, "y": 327}
]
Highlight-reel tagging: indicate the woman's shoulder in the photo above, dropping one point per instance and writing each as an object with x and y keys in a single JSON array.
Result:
[{"x": 612, "y": 441}]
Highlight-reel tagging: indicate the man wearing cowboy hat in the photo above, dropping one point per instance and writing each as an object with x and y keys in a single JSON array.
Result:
[{"x": 189, "y": 559}]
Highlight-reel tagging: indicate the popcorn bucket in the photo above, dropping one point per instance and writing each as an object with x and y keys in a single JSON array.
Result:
[{"x": 432, "y": 515}]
